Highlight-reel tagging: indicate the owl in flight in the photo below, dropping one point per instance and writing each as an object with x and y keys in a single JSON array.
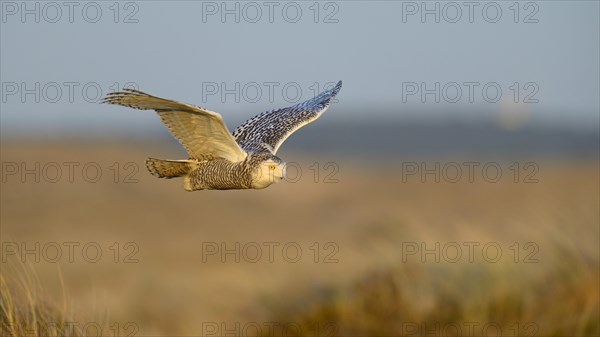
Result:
[{"x": 218, "y": 159}]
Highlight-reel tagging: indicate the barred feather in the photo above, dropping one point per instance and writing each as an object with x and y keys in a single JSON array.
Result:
[
  {"x": 169, "y": 168},
  {"x": 268, "y": 130}
]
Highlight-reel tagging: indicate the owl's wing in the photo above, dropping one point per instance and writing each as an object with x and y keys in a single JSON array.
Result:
[
  {"x": 267, "y": 131},
  {"x": 201, "y": 132}
]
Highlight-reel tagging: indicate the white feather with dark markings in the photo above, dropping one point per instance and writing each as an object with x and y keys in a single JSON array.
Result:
[{"x": 267, "y": 131}]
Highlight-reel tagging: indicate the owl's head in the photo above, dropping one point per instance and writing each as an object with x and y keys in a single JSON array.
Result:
[{"x": 269, "y": 170}]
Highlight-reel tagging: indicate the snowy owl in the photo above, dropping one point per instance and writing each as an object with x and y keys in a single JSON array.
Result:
[{"x": 219, "y": 160}]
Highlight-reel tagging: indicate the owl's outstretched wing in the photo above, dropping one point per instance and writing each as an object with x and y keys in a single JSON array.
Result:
[
  {"x": 267, "y": 131},
  {"x": 201, "y": 132}
]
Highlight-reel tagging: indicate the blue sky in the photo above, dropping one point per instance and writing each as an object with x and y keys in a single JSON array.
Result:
[{"x": 543, "y": 56}]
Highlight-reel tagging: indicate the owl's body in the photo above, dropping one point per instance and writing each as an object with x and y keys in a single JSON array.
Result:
[
  {"x": 218, "y": 159},
  {"x": 216, "y": 173}
]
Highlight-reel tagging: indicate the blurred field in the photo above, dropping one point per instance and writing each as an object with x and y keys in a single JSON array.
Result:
[{"x": 364, "y": 225}]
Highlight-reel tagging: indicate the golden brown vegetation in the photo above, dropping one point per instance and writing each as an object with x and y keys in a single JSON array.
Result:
[
  {"x": 26, "y": 310},
  {"x": 154, "y": 274}
]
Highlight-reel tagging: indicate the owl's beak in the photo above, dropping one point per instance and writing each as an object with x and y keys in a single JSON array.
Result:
[{"x": 284, "y": 171}]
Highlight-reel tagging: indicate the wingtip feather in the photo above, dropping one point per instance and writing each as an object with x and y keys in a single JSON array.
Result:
[{"x": 336, "y": 89}]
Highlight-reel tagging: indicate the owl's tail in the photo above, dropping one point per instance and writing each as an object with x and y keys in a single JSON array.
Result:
[{"x": 169, "y": 168}]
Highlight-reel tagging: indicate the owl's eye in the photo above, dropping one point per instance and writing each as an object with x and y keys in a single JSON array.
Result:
[{"x": 272, "y": 167}]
